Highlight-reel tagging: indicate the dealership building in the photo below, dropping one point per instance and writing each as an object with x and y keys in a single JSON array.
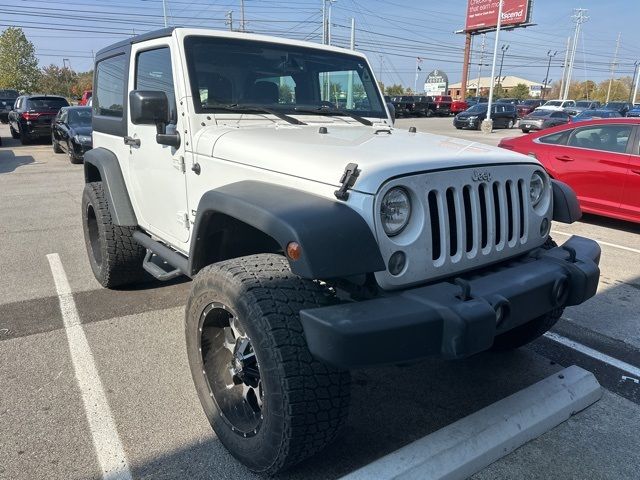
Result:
[{"x": 480, "y": 86}]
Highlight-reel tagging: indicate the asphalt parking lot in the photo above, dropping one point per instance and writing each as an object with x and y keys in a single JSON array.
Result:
[{"x": 136, "y": 338}]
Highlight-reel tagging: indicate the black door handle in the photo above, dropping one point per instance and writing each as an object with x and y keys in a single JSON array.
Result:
[{"x": 135, "y": 142}]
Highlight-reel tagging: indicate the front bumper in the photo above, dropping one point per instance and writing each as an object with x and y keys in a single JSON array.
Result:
[
  {"x": 465, "y": 123},
  {"x": 448, "y": 319},
  {"x": 530, "y": 126}
]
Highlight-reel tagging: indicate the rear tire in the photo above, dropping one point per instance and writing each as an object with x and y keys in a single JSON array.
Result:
[
  {"x": 24, "y": 138},
  {"x": 510, "y": 124},
  {"x": 525, "y": 130},
  {"x": 286, "y": 406},
  {"x": 15, "y": 135},
  {"x": 115, "y": 257}
]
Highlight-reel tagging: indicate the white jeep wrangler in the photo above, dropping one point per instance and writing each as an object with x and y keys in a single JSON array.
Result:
[{"x": 319, "y": 237}]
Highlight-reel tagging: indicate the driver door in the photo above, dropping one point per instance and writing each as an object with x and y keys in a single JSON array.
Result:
[{"x": 156, "y": 171}]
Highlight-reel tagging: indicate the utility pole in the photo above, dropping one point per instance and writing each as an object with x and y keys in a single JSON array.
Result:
[
  {"x": 564, "y": 66},
  {"x": 579, "y": 17},
  {"x": 164, "y": 12},
  {"x": 352, "y": 45},
  {"x": 484, "y": 37},
  {"x": 329, "y": 22},
  {"x": 229, "y": 20},
  {"x": 242, "y": 24},
  {"x": 487, "y": 124},
  {"x": 613, "y": 66},
  {"x": 504, "y": 48},
  {"x": 546, "y": 78},
  {"x": 636, "y": 75},
  {"x": 465, "y": 66},
  {"x": 324, "y": 22}
]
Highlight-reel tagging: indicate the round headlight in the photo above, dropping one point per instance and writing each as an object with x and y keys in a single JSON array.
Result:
[
  {"x": 536, "y": 188},
  {"x": 395, "y": 211}
]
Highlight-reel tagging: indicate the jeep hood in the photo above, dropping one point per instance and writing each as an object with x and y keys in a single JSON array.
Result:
[{"x": 381, "y": 153}]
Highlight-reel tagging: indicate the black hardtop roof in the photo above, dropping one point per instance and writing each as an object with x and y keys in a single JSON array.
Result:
[{"x": 163, "y": 32}]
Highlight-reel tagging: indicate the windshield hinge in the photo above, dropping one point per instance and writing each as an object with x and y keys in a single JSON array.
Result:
[
  {"x": 178, "y": 164},
  {"x": 349, "y": 177},
  {"x": 183, "y": 219}
]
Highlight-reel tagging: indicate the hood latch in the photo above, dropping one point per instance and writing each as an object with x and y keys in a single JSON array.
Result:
[{"x": 349, "y": 177}]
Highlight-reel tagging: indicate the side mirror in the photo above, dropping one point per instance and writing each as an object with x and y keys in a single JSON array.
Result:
[{"x": 150, "y": 107}]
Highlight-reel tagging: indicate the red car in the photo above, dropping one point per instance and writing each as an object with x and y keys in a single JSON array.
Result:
[
  {"x": 599, "y": 159},
  {"x": 86, "y": 95},
  {"x": 443, "y": 104},
  {"x": 458, "y": 106}
]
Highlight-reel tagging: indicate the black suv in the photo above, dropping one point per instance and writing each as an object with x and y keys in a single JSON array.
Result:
[
  {"x": 7, "y": 99},
  {"x": 32, "y": 115},
  {"x": 503, "y": 115}
]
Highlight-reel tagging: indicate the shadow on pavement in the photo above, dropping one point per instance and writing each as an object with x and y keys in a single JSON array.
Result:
[
  {"x": 391, "y": 407},
  {"x": 9, "y": 161},
  {"x": 612, "y": 223}
]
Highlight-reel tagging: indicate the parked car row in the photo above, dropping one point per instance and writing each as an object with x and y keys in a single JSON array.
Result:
[
  {"x": 422, "y": 105},
  {"x": 34, "y": 117}
]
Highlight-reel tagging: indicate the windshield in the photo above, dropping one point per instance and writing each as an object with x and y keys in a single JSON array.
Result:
[
  {"x": 583, "y": 104},
  {"x": 539, "y": 113},
  {"x": 478, "y": 108},
  {"x": 228, "y": 72},
  {"x": 553, "y": 103},
  {"x": 80, "y": 117},
  {"x": 614, "y": 105}
]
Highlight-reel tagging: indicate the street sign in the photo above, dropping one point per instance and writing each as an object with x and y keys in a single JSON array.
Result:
[{"x": 437, "y": 83}]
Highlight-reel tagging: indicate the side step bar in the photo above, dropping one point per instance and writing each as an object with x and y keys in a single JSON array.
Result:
[{"x": 161, "y": 251}]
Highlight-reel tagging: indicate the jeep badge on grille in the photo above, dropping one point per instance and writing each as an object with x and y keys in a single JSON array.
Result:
[{"x": 481, "y": 176}]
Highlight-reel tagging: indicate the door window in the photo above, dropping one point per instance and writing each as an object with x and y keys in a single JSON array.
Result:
[
  {"x": 608, "y": 138},
  {"x": 559, "y": 138},
  {"x": 108, "y": 101},
  {"x": 153, "y": 72}
]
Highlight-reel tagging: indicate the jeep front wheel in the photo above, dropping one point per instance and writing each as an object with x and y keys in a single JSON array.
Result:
[
  {"x": 115, "y": 257},
  {"x": 268, "y": 400}
]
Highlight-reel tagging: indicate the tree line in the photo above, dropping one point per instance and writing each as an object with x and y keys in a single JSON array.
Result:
[{"x": 20, "y": 70}]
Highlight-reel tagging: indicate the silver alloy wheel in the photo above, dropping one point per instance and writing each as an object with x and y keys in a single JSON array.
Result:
[{"x": 231, "y": 369}]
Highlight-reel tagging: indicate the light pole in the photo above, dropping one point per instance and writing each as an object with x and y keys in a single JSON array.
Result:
[
  {"x": 487, "y": 124},
  {"x": 504, "y": 49},
  {"x": 635, "y": 89},
  {"x": 546, "y": 78},
  {"x": 632, "y": 90}
]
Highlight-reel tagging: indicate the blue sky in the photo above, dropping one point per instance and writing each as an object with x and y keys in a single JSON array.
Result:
[{"x": 395, "y": 31}]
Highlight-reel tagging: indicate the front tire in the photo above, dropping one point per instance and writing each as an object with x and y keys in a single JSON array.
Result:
[
  {"x": 72, "y": 156},
  {"x": 115, "y": 257},
  {"x": 56, "y": 145},
  {"x": 268, "y": 400}
]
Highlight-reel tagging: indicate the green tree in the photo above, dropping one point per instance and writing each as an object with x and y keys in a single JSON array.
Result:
[
  {"x": 57, "y": 81},
  {"x": 286, "y": 93},
  {"x": 84, "y": 81},
  {"x": 18, "y": 62},
  {"x": 395, "y": 89},
  {"x": 520, "y": 91}
]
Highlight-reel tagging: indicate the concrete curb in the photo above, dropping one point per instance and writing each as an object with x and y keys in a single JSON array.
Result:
[{"x": 462, "y": 448}]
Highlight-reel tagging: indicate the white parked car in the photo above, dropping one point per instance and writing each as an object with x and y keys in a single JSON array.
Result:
[
  {"x": 319, "y": 237},
  {"x": 557, "y": 105}
]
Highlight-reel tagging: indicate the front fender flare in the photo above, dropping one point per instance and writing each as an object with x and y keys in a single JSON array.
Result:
[
  {"x": 336, "y": 241},
  {"x": 110, "y": 174}
]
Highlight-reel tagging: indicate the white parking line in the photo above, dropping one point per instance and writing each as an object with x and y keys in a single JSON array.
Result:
[
  {"x": 614, "y": 362},
  {"x": 614, "y": 245},
  {"x": 103, "y": 429}
]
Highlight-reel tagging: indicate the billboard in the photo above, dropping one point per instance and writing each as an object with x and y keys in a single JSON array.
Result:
[
  {"x": 483, "y": 14},
  {"x": 437, "y": 83}
]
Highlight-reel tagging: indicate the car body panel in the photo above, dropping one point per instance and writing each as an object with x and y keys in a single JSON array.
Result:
[{"x": 606, "y": 182}]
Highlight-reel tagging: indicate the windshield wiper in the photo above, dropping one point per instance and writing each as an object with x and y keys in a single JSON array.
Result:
[
  {"x": 235, "y": 107},
  {"x": 334, "y": 112}
]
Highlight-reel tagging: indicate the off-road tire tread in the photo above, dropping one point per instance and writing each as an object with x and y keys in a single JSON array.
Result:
[
  {"x": 122, "y": 264},
  {"x": 315, "y": 395}
]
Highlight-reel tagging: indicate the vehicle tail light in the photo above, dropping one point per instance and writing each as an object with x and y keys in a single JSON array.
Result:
[{"x": 30, "y": 116}]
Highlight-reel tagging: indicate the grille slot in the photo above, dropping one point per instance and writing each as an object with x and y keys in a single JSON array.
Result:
[{"x": 476, "y": 219}]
